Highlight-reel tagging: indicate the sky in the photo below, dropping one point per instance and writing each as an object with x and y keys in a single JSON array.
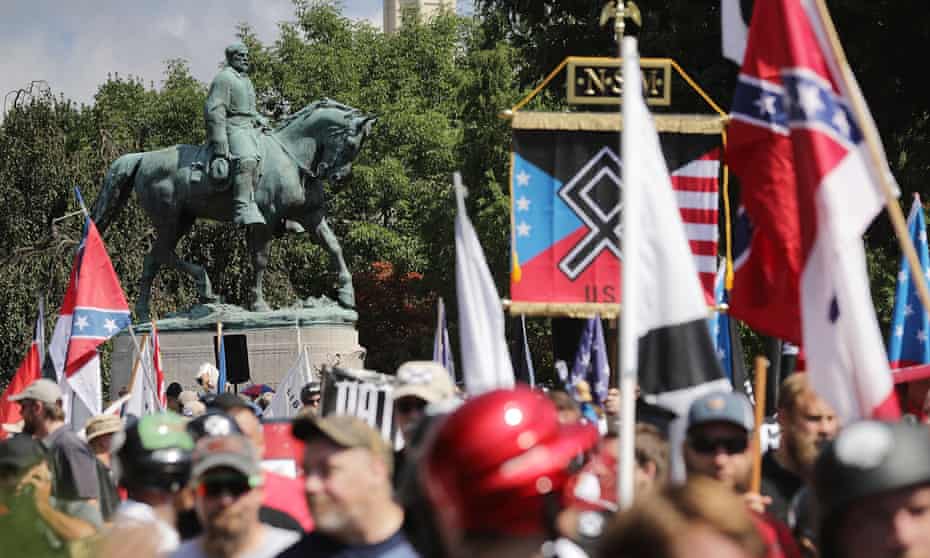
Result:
[{"x": 74, "y": 44}]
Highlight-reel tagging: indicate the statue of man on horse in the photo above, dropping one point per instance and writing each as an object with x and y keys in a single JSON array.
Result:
[
  {"x": 277, "y": 177},
  {"x": 232, "y": 121}
]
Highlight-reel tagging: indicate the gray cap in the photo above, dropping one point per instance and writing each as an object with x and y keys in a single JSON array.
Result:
[
  {"x": 233, "y": 451},
  {"x": 871, "y": 457},
  {"x": 43, "y": 390},
  {"x": 731, "y": 408},
  {"x": 867, "y": 459}
]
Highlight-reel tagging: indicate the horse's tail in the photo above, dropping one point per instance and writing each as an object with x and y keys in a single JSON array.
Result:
[{"x": 117, "y": 186}]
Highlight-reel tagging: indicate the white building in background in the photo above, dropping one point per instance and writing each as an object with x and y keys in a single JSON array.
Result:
[{"x": 424, "y": 9}]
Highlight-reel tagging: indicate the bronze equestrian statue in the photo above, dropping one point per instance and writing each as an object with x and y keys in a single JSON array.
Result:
[{"x": 178, "y": 185}]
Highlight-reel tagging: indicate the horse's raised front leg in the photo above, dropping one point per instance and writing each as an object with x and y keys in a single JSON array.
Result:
[
  {"x": 165, "y": 254},
  {"x": 345, "y": 292},
  {"x": 259, "y": 244}
]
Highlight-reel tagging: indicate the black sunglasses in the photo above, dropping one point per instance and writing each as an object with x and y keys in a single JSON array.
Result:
[
  {"x": 707, "y": 446},
  {"x": 216, "y": 486},
  {"x": 200, "y": 381},
  {"x": 409, "y": 405}
]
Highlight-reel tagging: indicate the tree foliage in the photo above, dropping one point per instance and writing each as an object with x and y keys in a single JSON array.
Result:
[{"x": 435, "y": 88}]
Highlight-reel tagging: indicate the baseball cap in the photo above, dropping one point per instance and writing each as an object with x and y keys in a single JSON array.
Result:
[
  {"x": 228, "y": 401},
  {"x": 424, "y": 379},
  {"x": 731, "y": 408},
  {"x": 102, "y": 424},
  {"x": 869, "y": 458},
  {"x": 344, "y": 431},
  {"x": 234, "y": 451},
  {"x": 43, "y": 390},
  {"x": 21, "y": 452}
]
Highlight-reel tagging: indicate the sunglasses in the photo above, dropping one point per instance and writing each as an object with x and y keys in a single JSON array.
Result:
[
  {"x": 409, "y": 405},
  {"x": 200, "y": 381},
  {"x": 216, "y": 486},
  {"x": 707, "y": 446}
]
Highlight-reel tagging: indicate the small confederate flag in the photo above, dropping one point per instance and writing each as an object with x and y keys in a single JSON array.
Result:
[
  {"x": 93, "y": 310},
  {"x": 30, "y": 370}
]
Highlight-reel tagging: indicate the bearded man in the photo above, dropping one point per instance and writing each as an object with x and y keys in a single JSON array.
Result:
[{"x": 807, "y": 423}]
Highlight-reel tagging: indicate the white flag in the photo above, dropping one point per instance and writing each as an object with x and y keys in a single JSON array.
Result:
[
  {"x": 734, "y": 29},
  {"x": 665, "y": 343},
  {"x": 143, "y": 393},
  {"x": 485, "y": 358},
  {"x": 286, "y": 400}
]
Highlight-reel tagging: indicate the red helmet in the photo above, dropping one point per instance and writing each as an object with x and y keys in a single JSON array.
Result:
[{"x": 492, "y": 462}]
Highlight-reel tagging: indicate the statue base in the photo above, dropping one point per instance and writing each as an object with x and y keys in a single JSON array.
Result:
[{"x": 326, "y": 331}]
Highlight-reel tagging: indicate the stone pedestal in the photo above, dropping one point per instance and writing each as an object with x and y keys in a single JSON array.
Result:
[{"x": 272, "y": 345}]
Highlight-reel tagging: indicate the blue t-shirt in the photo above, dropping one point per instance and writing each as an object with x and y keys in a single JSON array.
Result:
[{"x": 318, "y": 545}]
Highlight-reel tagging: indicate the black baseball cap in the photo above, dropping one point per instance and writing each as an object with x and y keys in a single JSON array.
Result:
[{"x": 21, "y": 452}]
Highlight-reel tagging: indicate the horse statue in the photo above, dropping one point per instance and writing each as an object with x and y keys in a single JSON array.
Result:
[{"x": 315, "y": 144}]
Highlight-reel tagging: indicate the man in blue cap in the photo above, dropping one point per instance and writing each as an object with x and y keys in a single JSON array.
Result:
[
  {"x": 717, "y": 441},
  {"x": 717, "y": 445}
]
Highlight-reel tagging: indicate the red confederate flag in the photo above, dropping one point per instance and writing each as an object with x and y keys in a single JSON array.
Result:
[
  {"x": 30, "y": 370},
  {"x": 93, "y": 310},
  {"x": 809, "y": 192}
]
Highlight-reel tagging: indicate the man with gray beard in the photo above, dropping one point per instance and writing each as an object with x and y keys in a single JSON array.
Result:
[
  {"x": 807, "y": 423},
  {"x": 228, "y": 481}
]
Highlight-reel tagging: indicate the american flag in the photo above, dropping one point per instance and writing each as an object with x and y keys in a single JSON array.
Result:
[{"x": 696, "y": 186}]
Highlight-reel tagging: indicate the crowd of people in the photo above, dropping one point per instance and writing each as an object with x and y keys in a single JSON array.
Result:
[{"x": 518, "y": 473}]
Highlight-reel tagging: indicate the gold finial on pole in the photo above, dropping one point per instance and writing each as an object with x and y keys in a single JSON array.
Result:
[{"x": 619, "y": 12}]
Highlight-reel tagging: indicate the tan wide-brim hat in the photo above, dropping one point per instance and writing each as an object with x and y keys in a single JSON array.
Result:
[{"x": 102, "y": 424}]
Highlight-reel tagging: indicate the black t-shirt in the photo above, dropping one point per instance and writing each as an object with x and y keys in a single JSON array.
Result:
[
  {"x": 780, "y": 484},
  {"x": 74, "y": 466},
  {"x": 318, "y": 545}
]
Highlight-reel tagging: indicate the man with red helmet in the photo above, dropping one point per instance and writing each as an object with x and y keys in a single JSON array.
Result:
[{"x": 494, "y": 471}]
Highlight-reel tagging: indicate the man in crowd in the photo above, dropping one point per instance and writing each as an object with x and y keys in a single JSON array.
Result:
[
  {"x": 152, "y": 458},
  {"x": 207, "y": 377},
  {"x": 73, "y": 465},
  {"x": 310, "y": 397},
  {"x": 31, "y": 523},
  {"x": 569, "y": 410},
  {"x": 227, "y": 478},
  {"x": 419, "y": 383},
  {"x": 807, "y": 423},
  {"x": 873, "y": 492},
  {"x": 348, "y": 482},
  {"x": 99, "y": 432},
  {"x": 171, "y": 397},
  {"x": 495, "y": 469},
  {"x": 424, "y": 391},
  {"x": 282, "y": 493},
  {"x": 717, "y": 446}
]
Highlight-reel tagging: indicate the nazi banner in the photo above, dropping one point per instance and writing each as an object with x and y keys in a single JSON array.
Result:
[{"x": 566, "y": 196}]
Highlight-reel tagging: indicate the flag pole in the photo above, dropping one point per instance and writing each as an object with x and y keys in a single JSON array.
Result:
[
  {"x": 221, "y": 353},
  {"x": 628, "y": 345},
  {"x": 761, "y": 369},
  {"x": 135, "y": 365},
  {"x": 875, "y": 154}
]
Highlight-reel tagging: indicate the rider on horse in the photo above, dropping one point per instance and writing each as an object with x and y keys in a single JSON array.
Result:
[{"x": 231, "y": 119}]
